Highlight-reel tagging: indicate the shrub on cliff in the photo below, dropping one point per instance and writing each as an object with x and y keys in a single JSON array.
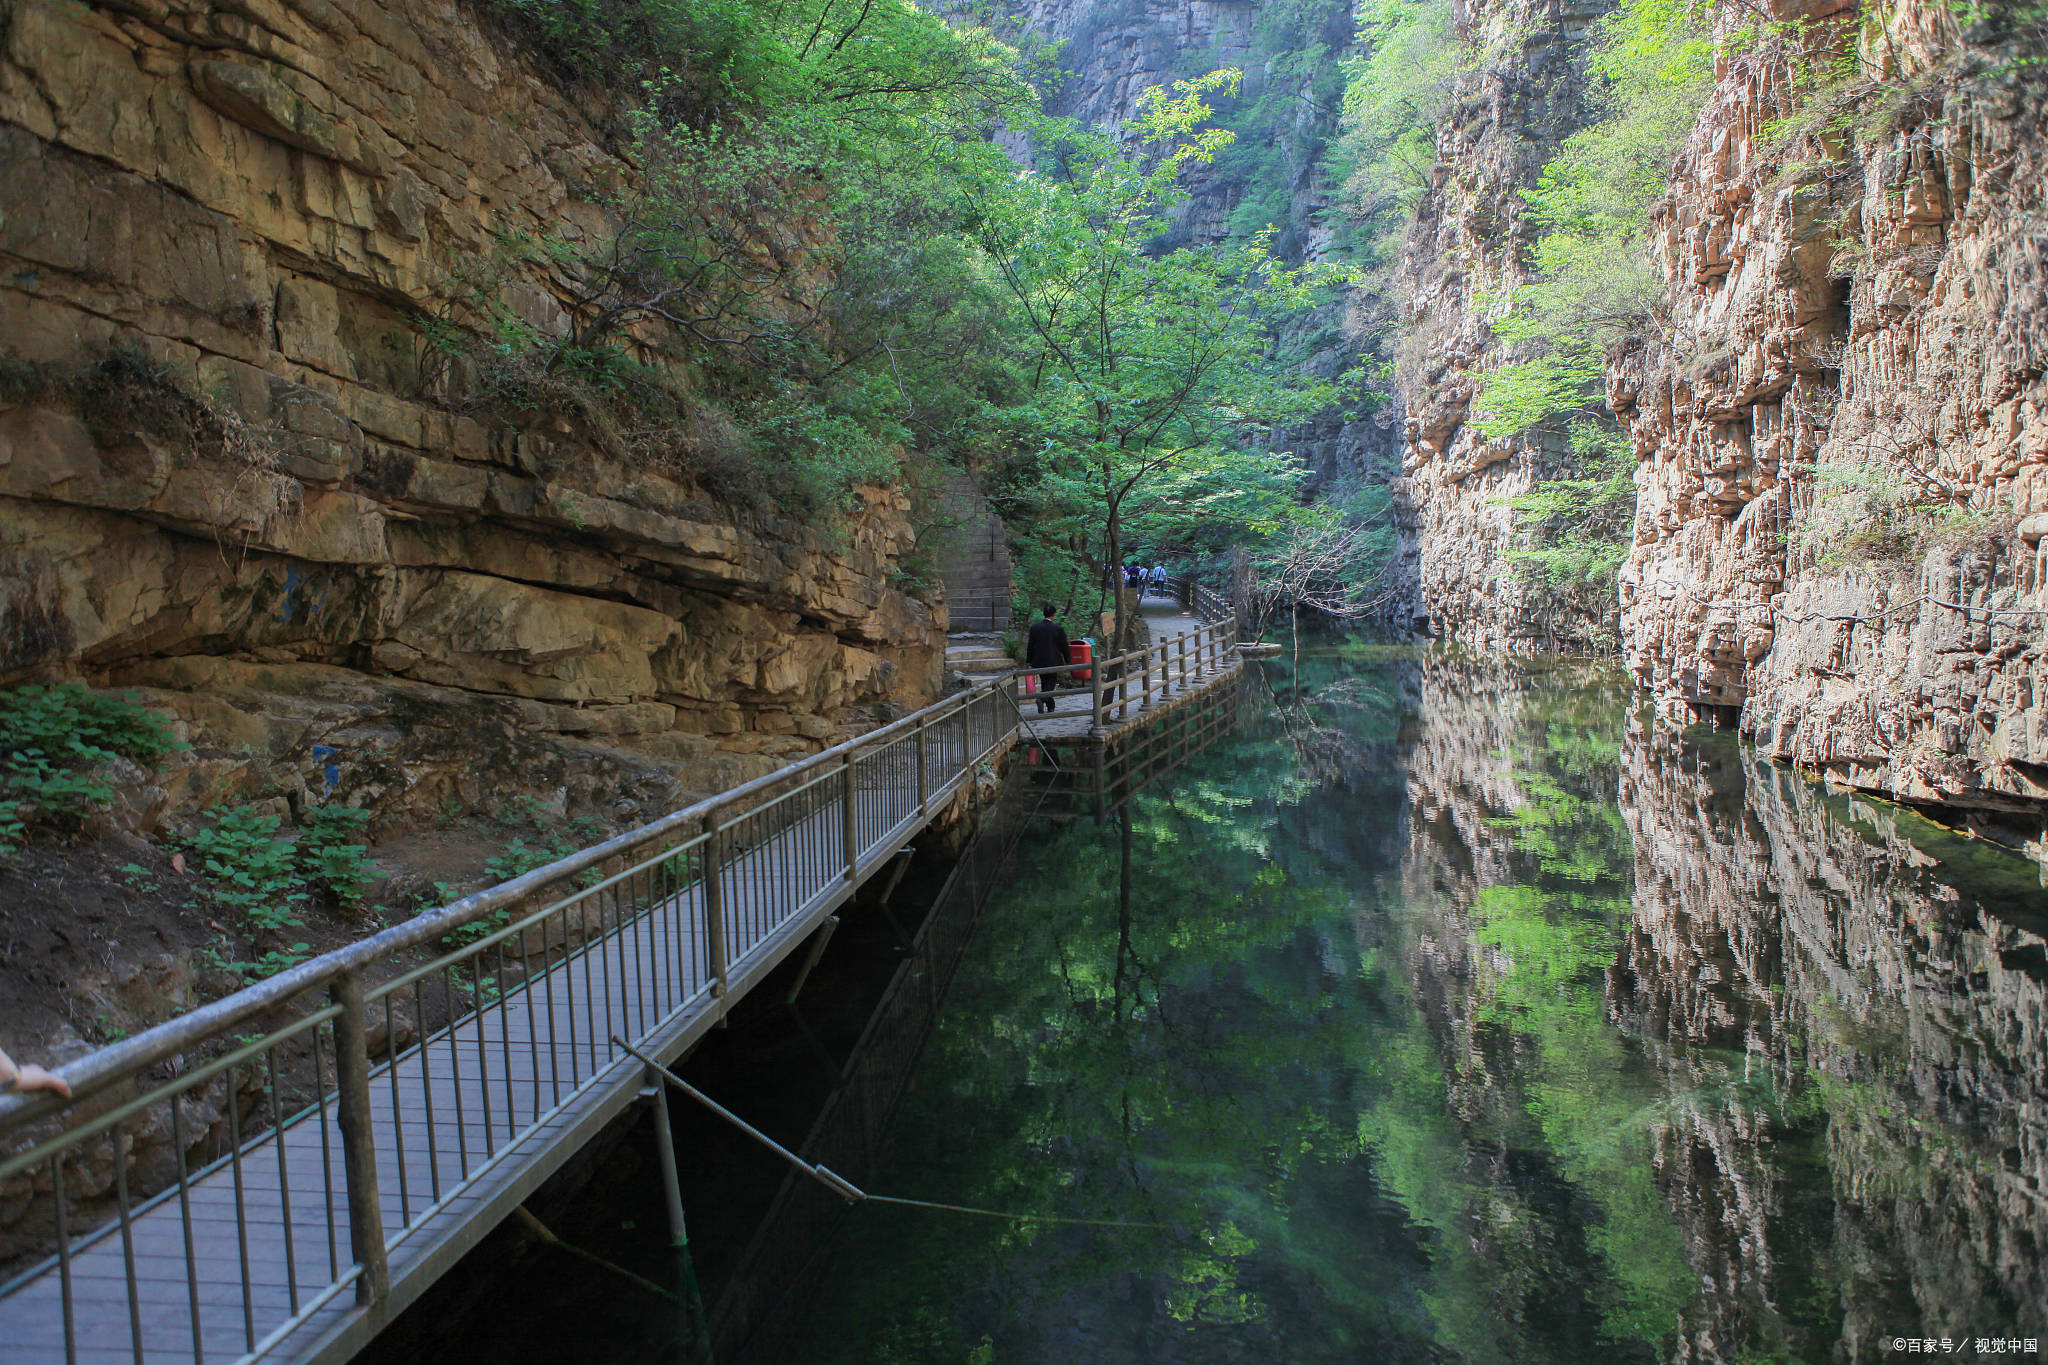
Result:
[
  {"x": 782, "y": 303},
  {"x": 1651, "y": 65},
  {"x": 1397, "y": 92},
  {"x": 52, "y": 741}
]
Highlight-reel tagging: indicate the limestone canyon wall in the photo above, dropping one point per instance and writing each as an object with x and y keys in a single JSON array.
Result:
[
  {"x": 231, "y": 477},
  {"x": 1843, "y": 454},
  {"x": 1470, "y": 243},
  {"x": 1842, "y": 480}
]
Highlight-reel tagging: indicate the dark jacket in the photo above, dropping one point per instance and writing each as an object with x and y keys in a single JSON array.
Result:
[{"x": 1046, "y": 646}]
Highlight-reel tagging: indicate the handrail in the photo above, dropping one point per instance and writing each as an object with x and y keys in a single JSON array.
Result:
[
  {"x": 1208, "y": 643},
  {"x": 666, "y": 923},
  {"x": 94, "y": 1071}
]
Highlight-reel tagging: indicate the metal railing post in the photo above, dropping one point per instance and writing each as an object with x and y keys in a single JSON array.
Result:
[
  {"x": 714, "y": 907},
  {"x": 358, "y": 1140},
  {"x": 852, "y": 831},
  {"x": 924, "y": 781}
]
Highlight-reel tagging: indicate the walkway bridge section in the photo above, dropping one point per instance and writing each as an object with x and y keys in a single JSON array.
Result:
[
  {"x": 757, "y": 1317},
  {"x": 275, "y": 1176},
  {"x": 1194, "y": 645}
]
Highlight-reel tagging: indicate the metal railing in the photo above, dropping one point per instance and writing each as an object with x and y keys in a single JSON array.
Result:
[
  {"x": 1112, "y": 775},
  {"x": 218, "y": 1183}
]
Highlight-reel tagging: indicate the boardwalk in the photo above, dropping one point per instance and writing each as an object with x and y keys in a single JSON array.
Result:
[
  {"x": 1183, "y": 670},
  {"x": 225, "y": 1234}
]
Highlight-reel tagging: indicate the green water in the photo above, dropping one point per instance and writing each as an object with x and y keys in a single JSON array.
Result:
[{"x": 1449, "y": 1012}]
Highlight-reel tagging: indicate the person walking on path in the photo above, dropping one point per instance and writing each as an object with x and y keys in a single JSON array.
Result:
[
  {"x": 1046, "y": 647},
  {"x": 1159, "y": 578}
]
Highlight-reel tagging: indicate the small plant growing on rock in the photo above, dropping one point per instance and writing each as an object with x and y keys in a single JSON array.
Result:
[
  {"x": 266, "y": 880},
  {"x": 328, "y": 854},
  {"x": 52, "y": 739},
  {"x": 250, "y": 870}
]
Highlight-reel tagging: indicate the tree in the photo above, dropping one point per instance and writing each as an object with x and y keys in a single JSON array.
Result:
[{"x": 1147, "y": 368}]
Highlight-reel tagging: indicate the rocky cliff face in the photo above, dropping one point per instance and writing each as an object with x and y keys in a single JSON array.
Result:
[
  {"x": 1844, "y": 457},
  {"x": 1470, "y": 241},
  {"x": 233, "y": 481},
  {"x": 1841, "y": 439}
]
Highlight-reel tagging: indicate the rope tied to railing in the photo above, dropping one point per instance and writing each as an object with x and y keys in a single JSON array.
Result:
[{"x": 839, "y": 1184}]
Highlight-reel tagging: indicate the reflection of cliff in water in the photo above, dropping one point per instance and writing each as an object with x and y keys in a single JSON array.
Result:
[
  {"x": 1506, "y": 1129},
  {"x": 1842, "y": 979},
  {"x": 1772, "y": 1061}
]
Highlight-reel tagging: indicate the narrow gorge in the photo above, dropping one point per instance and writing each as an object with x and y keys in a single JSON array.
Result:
[{"x": 1021, "y": 680}]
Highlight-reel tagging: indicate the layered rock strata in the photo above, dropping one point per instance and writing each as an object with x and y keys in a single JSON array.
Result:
[
  {"x": 1843, "y": 478},
  {"x": 235, "y": 476},
  {"x": 1466, "y": 252}
]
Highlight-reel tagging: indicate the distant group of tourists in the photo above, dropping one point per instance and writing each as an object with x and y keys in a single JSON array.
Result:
[{"x": 1140, "y": 579}]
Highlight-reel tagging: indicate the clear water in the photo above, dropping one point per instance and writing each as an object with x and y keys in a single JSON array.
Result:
[{"x": 1449, "y": 1012}]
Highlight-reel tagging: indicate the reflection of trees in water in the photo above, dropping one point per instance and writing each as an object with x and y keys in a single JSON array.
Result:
[
  {"x": 1158, "y": 1038},
  {"x": 1508, "y": 1122},
  {"x": 1441, "y": 1017},
  {"x": 1826, "y": 979},
  {"x": 1821, "y": 1122}
]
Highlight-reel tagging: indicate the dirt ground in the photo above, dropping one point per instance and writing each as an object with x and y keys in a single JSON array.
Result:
[{"x": 104, "y": 935}]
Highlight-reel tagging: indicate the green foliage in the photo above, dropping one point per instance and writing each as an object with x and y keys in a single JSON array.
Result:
[
  {"x": 267, "y": 879},
  {"x": 1278, "y": 133},
  {"x": 791, "y": 297},
  {"x": 51, "y": 738},
  {"x": 1566, "y": 378},
  {"x": 548, "y": 839},
  {"x": 328, "y": 855},
  {"x": 1153, "y": 373},
  {"x": 1576, "y": 526},
  {"x": 1651, "y": 64},
  {"x": 249, "y": 869},
  {"x": 1397, "y": 93},
  {"x": 220, "y": 957}
]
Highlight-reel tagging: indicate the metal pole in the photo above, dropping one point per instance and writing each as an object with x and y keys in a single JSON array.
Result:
[
  {"x": 714, "y": 907},
  {"x": 656, "y": 1095},
  {"x": 851, "y": 831},
  {"x": 358, "y": 1140}
]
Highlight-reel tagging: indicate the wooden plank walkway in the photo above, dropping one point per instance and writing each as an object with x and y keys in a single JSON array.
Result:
[
  {"x": 250, "y": 1257},
  {"x": 254, "y": 1256}
]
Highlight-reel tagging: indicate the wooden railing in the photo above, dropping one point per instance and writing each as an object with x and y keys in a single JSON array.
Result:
[{"x": 1137, "y": 680}]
